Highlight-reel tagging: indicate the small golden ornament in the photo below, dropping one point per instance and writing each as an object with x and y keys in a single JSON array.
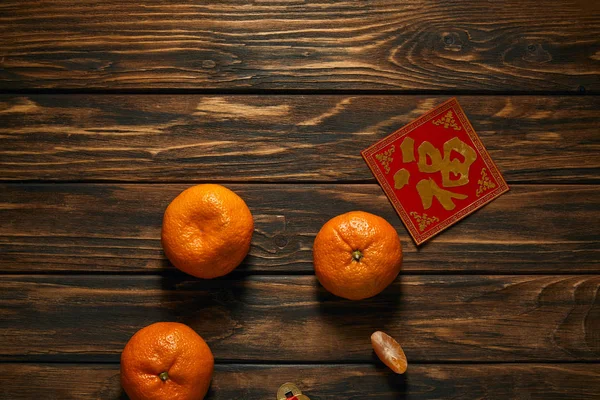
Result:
[{"x": 289, "y": 391}]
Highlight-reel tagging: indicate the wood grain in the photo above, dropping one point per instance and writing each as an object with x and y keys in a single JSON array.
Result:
[
  {"x": 252, "y": 382},
  {"x": 521, "y": 45},
  {"x": 276, "y": 138},
  {"x": 87, "y": 178},
  {"x": 116, "y": 227},
  {"x": 292, "y": 318}
]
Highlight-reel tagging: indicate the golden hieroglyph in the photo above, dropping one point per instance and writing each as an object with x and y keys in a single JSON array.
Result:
[
  {"x": 454, "y": 171},
  {"x": 448, "y": 121},
  {"x": 485, "y": 183},
  {"x": 408, "y": 150},
  {"x": 428, "y": 189},
  {"x": 386, "y": 158},
  {"x": 423, "y": 220},
  {"x": 401, "y": 178},
  {"x": 447, "y": 165}
]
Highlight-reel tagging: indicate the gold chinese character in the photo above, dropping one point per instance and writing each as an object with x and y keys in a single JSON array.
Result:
[
  {"x": 431, "y": 161},
  {"x": 408, "y": 150},
  {"x": 401, "y": 178},
  {"x": 446, "y": 165},
  {"x": 427, "y": 189}
]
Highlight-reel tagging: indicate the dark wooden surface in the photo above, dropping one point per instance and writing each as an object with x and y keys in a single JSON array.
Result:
[
  {"x": 109, "y": 109},
  {"x": 292, "y": 318},
  {"x": 251, "y": 382},
  {"x": 116, "y": 228},
  {"x": 378, "y": 44},
  {"x": 277, "y": 138}
]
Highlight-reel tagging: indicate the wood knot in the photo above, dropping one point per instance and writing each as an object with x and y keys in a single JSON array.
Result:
[
  {"x": 208, "y": 64},
  {"x": 281, "y": 241},
  {"x": 452, "y": 41},
  {"x": 536, "y": 53}
]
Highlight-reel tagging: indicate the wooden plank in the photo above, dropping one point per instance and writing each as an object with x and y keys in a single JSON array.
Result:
[
  {"x": 276, "y": 138},
  {"x": 251, "y": 382},
  {"x": 522, "y": 45},
  {"x": 292, "y": 318},
  {"x": 116, "y": 227}
]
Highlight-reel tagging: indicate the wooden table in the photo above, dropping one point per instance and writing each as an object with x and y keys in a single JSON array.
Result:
[{"x": 110, "y": 108}]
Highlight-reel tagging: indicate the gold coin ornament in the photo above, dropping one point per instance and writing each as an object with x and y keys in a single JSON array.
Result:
[{"x": 289, "y": 391}]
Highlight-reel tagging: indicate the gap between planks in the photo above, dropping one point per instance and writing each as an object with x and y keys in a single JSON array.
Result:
[
  {"x": 259, "y": 182},
  {"x": 268, "y": 363},
  {"x": 173, "y": 273},
  {"x": 298, "y": 92}
]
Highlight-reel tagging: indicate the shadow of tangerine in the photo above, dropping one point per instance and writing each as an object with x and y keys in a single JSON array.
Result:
[
  {"x": 358, "y": 319},
  {"x": 397, "y": 384},
  {"x": 203, "y": 304},
  {"x": 213, "y": 308},
  {"x": 112, "y": 389}
]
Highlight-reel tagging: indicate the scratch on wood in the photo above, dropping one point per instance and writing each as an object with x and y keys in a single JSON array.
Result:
[
  {"x": 220, "y": 108},
  {"x": 211, "y": 144},
  {"x": 541, "y": 114},
  {"x": 23, "y": 105},
  {"x": 339, "y": 107},
  {"x": 424, "y": 106},
  {"x": 507, "y": 110},
  {"x": 105, "y": 130}
]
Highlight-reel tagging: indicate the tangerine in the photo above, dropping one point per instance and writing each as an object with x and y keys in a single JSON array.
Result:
[
  {"x": 207, "y": 230},
  {"x": 356, "y": 255},
  {"x": 166, "y": 360}
]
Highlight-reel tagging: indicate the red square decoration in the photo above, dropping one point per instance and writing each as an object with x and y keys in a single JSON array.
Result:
[{"x": 435, "y": 171}]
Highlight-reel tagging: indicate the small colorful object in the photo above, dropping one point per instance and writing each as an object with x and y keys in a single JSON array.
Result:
[
  {"x": 435, "y": 171},
  {"x": 289, "y": 391}
]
